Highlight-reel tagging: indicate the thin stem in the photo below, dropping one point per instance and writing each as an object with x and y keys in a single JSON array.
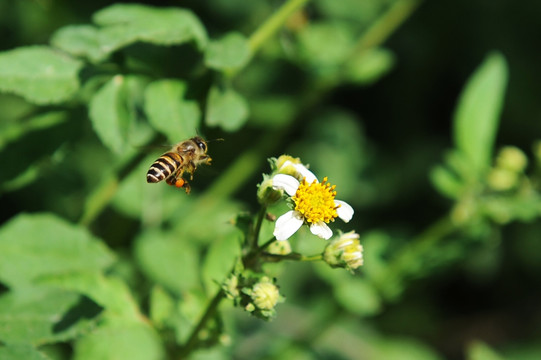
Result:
[
  {"x": 209, "y": 313},
  {"x": 266, "y": 244},
  {"x": 274, "y": 23},
  {"x": 257, "y": 227},
  {"x": 293, "y": 256},
  {"x": 387, "y": 24}
]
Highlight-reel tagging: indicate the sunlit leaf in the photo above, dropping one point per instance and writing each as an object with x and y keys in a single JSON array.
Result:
[
  {"x": 123, "y": 24},
  {"x": 134, "y": 341},
  {"x": 42, "y": 244},
  {"x": 39, "y": 315},
  {"x": 226, "y": 108},
  {"x": 19, "y": 352},
  {"x": 169, "y": 112},
  {"x": 80, "y": 40},
  {"x": 230, "y": 52},
  {"x": 478, "y": 112},
  {"x": 109, "y": 115},
  {"x": 39, "y": 74}
]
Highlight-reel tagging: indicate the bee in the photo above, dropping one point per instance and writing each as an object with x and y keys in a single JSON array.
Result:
[{"x": 183, "y": 157}]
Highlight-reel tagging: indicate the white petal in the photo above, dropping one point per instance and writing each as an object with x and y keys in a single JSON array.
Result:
[
  {"x": 321, "y": 229},
  {"x": 303, "y": 170},
  {"x": 287, "y": 225},
  {"x": 285, "y": 182},
  {"x": 345, "y": 212}
]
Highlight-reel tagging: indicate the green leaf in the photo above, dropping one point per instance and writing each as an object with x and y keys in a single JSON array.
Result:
[
  {"x": 230, "y": 52},
  {"x": 326, "y": 44},
  {"x": 110, "y": 293},
  {"x": 43, "y": 244},
  {"x": 478, "y": 111},
  {"x": 446, "y": 182},
  {"x": 226, "y": 108},
  {"x": 151, "y": 203},
  {"x": 358, "y": 296},
  {"x": 109, "y": 115},
  {"x": 80, "y": 40},
  {"x": 169, "y": 261},
  {"x": 169, "y": 112},
  {"x": 134, "y": 341},
  {"x": 16, "y": 129},
  {"x": 20, "y": 352},
  {"x": 125, "y": 24},
  {"x": 37, "y": 316},
  {"x": 221, "y": 256},
  {"x": 162, "y": 306},
  {"x": 39, "y": 74},
  {"x": 481, "y": 351},
  {"x": 370, "y": 66}
]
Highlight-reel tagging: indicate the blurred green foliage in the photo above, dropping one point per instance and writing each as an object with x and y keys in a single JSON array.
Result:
[{"x": 420, "y": 112}]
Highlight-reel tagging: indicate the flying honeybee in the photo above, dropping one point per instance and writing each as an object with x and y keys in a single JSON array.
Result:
[{"x": 183, "y": 157}]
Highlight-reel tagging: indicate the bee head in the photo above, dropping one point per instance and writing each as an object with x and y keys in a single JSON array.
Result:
[{"x": 202, "y": 144}]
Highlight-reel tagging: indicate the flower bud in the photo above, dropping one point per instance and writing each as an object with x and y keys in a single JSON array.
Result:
[
  {"x": 502, "y": 179},
  {"x": 265, "y": 294},
  {"x": 266, "y": 194},
  {"x": 511, "y": 158},
  {"x": 344, "y": 252},
  {"x": 279, "y": 248},
  {"x": 231, "y": 287}
]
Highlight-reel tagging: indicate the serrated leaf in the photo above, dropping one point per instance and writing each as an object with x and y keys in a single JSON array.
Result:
[
  {"x": 124, "y": 24},
  {"x": 478, "y": 111},
  {"x": 169, "y": 112},
  {"x": 230, "y": 52},
  {"x": 109, "y": 115},
  {"x": 39, "y": 74},
  {"x": 110, "y": 293},
  {"x": 226, "y": 108},
  {"x": 169, "y": 261},
  {"x": 39, "y": 315},
  {"x": 370, "y": 66},
  {"x": 80, "y": 40},
  {"x": 20, "y": 352},
  {"x": 42, "y": 244},
  {"x": 134, "y": 341}
]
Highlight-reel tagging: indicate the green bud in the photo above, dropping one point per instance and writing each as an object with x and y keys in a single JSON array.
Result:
[{"x": 344, "y": 252}]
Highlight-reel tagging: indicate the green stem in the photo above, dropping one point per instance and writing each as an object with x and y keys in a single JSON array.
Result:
[
  {"x": 293, "y": 256},
  {"x": 266, "y": 244},
  {"x": 209, "y": 313},
  {"x": 387, "y": 24},
  {"x": 257, "y": 227},
  {"x": 274, "y": 23}
]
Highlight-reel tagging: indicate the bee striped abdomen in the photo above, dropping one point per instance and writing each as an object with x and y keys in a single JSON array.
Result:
[{"x": 164, "y": 167}]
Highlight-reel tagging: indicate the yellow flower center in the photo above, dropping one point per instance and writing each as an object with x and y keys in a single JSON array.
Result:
[{"x": 315, "y": 201}]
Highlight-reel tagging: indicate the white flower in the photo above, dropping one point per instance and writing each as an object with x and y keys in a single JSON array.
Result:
[{"x": 314, "y": 204}]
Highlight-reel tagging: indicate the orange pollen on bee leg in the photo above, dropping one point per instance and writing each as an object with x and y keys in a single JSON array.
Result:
[
  {"x": 315, "y": 201},
  {"x": 180, "y": 182}
]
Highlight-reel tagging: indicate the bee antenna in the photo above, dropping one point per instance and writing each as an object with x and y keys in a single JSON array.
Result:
[{"x": 218, "y": 139}]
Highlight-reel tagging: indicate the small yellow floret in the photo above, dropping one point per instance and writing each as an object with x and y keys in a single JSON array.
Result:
[{"x": 315, "y": 201}]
